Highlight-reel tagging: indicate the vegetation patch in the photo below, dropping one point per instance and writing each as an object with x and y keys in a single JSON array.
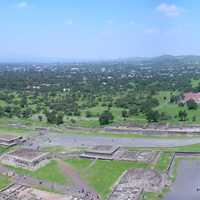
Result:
[
  {"x": 4, "y": 181},
  {"x": 164, "y": 161},
  {"x": 103, "y": 174},
  {"x": 51, "y": 172},
  {"x": 154, "y": 196}
]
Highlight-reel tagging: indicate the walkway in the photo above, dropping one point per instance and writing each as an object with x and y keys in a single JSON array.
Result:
[{"x": 77, "y": 180}]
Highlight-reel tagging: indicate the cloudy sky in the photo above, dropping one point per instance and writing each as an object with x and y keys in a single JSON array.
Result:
[{"x": 98, "y": 29}]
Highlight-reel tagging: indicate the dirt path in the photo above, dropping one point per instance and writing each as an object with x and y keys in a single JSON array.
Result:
[{"x": 77, "y": 180}]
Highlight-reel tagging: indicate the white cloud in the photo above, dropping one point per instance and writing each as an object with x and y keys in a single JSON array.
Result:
[
  {"x": 170, "y": 10},
  {"x": 22, "y": 4}
]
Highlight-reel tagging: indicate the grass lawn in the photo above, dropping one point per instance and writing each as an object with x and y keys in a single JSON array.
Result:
[
  {"x": 51, "y": 172},
  {"x": 164, "y": 96},
  {"x": 3, "y": 150},
  {"x": 195, "y": 82},
  {"x": 163, "y": 161},
  {"x": 164, "y": 106},
  {"x": 151, "y": 196},
  {"x": 103, "y": 174},
  {"x": 93, "y": 122},
  {"x": 154, "y": 196},
  {"x": 4, "y": 181},
  {"x": 173, "y": 109}
]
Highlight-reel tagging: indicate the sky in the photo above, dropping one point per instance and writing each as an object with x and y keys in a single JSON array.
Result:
[{"x": 98, "y": 29}]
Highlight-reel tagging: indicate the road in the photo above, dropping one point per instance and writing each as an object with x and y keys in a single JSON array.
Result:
[{"x": 52, "y": 139}]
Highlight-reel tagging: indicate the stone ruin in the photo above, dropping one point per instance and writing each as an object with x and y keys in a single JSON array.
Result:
[
  {"x": 100, "y": 152},
  {"x": 136, "y": 181},
  {"x": 117, "y": 153},
  {"x": 17, "y": 191},
  {"x": 26, "y": 158},
  {"x": 24, "y": 192},
  {"x": 10, "y": 140}
]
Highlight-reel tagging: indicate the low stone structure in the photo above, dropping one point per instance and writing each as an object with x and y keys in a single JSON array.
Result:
[
  {"x": 155, "y": 129},
  {"x": 139, "y": 156},
  {"x": 23, "y": 192},
  {"x": 117, "y": 153},
  {"x": 10, "y": 140},
  {"x": 26, "y": 158},
  {"x": 101, "y": 152},
  {"x": 17, "y": 191},
  {"x": 136, "y": 181}
]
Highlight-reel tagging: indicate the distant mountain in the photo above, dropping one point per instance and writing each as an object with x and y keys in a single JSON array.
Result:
[
  {"x": 167, "y": 59},
  {"x": 159, "y": 60}
]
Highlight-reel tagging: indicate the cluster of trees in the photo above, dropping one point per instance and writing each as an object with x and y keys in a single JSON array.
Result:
[
  {"x": 106, "y": 118},
  {"x": 133, "y": 104},
  {"x": 54, "y": 117},
  {"x": 191, "y": 104}
]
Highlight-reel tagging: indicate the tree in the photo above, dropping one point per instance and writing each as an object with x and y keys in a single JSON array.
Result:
[
  {"x": 191, "y": 104},
  {"x": 88, "y": 114},
  {"x": 40, "y": 117},
  {"x": 174, "y": 99},
  {"x": 153, "y": 116},
  {"x": 27, "y": 112},
  {"x": 59, "y": 118},
  {"x": 148, "y": 105},
  {"x": 124, "y": 114},
  {"x": 133, "y": 111},
  {"x": 106, "y": 118},
  {"x": 51, "y": 117},
  {"x": 1, "y": 112},
  {"x": 23, "y": 101},
  {"x": 182, "y": 115}
]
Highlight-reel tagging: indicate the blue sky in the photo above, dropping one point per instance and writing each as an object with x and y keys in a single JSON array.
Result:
[{"x": 98, "y": 29}]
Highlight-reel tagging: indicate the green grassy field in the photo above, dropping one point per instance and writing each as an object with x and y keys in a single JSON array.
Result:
[
  {"x": 4, "y": 181},
  {"x": 165, "y": 106},
  {"x": 103, "y": 174},
  {"x": 154, "y": 196},
  {"x": 173, "y": 109},
  {"x": 195, "y": 82},
  {"x": 163, "y": 161},
  {"x": 51, "y": 172}
]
